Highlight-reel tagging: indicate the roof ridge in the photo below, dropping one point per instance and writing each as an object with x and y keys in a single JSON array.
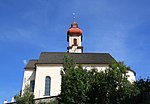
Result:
[
  {"x": 33, "y": 60},
  {"x": 53, "y": 52},
  {"x": 89, "y": 53},
  {"x": 78, "y": 53}
]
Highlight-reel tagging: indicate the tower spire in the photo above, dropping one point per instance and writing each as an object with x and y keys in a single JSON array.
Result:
[
  {"x": 74, "y": 37},
  {"x": 74, "y": 16}
]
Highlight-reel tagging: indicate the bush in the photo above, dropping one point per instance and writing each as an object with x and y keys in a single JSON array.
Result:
[{"x": 26, "y": 98}]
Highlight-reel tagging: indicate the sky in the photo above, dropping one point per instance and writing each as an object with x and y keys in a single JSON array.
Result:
[{"x": 29, "y": 27}]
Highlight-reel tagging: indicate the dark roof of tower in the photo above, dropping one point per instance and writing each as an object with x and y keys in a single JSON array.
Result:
[
  {"x": 80, "y": 58},
  {"x": 74, "y": 29}
]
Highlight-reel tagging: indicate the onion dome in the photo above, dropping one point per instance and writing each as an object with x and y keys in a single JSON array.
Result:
[{"x": 74, "y": 30}]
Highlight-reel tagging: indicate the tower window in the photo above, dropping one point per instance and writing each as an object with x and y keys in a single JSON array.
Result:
[
  {"x": 47, "y": 85},
  {"x": 75, "y": 42},
  {"x": 32, "y": 83}
]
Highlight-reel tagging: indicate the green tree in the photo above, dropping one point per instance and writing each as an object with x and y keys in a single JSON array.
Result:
[
  {"x": 111, "y": 86},
  {"x": 144, "y": 95},
  {"x": 74, "y": 83},
  {"x": 119, "y": 89},
  {"x": 97, "y": 90},
  {"x": 51, "y": 102},
  {"x": 26, "y": 98}
]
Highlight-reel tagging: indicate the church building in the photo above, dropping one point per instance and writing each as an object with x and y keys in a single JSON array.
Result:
[{"x": 44, "y": 74}]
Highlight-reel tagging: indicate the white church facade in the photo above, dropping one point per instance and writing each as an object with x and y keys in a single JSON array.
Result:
[{"x": 44, "y": 74}]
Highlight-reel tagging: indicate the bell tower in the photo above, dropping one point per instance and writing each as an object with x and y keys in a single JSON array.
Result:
[{"x": 74, "y": 37}]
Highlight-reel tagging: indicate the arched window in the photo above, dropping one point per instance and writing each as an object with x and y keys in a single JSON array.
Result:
[
  {"x": 32, "y": 83},
  {"x": 75, "y": 42},
  {"x": 47, "y": 85}
]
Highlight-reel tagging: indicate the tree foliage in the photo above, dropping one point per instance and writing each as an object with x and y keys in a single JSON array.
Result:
[
  {"x": 74, "y": 83},
  {"x": 51, "y": 102},
  {"x": 26, "y": 98},
  {"x": 144, "y": 95},
  {"x": 111, "y": 86}
]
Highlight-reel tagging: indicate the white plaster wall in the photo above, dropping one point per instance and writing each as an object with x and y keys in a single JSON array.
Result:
[
  {"x": 75, "y": 50},
  {"x": 131, "y": 77},
  {"x": 29, "y": 74},
  {"x": 102, "y": 67},
  {"x": 54, "y": 72},
  {"x": 47, "y": 70},
  {"x": 99, "y": 67}
]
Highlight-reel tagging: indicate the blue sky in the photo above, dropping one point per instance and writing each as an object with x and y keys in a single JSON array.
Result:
[{"x": 29, "y": 27}]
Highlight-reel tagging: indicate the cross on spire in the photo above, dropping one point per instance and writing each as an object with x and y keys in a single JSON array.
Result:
[{"x": 74, "y": 16}]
